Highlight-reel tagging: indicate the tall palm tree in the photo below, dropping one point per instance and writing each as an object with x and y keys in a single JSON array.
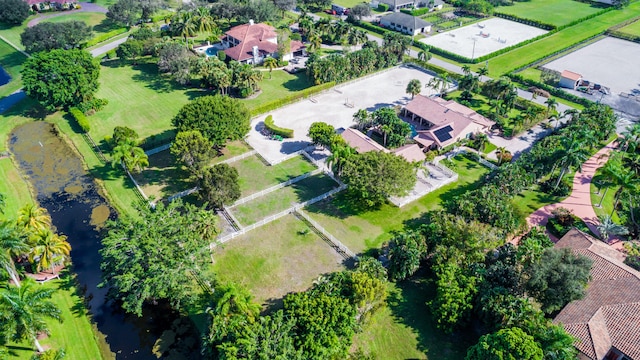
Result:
[
  {"x": 607, "y": 227},
  {"x": 183, "y": 24},
  {"x": 270, "y": 63},
  {"x": 424, "y": 55},
  {"x": 29, "y": 306},
  {"x": 574, "y": 155},
  {"x": 306, "y": 25},
  {"x": 466, "y": 69},
  {"x": 203, "y": 20},
  {"x": 483, "y": 71},
  {"x": 552, "y": 105},
  {"x": 32, "y": 218},
  {"x": 362, "y": 118},
  {"x": 339, "y": 156},
  {"x": 12, "y": 244},
  {"x": 502, "y": 151},
  {"x": 128, "y": 153},
  {"x": 49, "y": 249},
  {"x": 386, "y": 130},
  {"x": 631, "y": 138},
  {"x": 315, "y": 41},
  {"x": 231, "y": 299},
  {"x": 413, "y": 87}
]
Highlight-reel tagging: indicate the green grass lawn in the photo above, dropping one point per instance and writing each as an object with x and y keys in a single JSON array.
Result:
[
  {"x": 12, "y": 33},
  {"x": 533, "y": 199},
  {"x": 98, "y": 21},
  {"x": 11, "y": 61},
  {"x": 360, "y": 230},
  {"x": 140, "y": 98},
  {"x": 279, "y": 85},
  {"x": 398, "y": 332},
  {"x": 278, "y": 258},
  {"x": 523, "y": 55},
  {"x": 14, "y": 187},
  {"x": 74, "y": 334},
  {"x": 232, "y": 149},
  {"x": 350, "y": 3},
  {"x": 256, "y": 176},
  {"x": 633, "y": 28},
  {"x": 164, "y": 176},
  {"x": 282, "y": 199},
  {"x": 609, "y": 198},
  {"x": 555, "y": 12}
]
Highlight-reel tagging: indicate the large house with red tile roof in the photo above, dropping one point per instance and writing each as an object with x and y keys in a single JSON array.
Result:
[
  {"x": 252, "y": 43},
  {"x": 447, "y": 121},
  {"x": 362, "y": 143},
  {"x": 606, "y": 321},
  {"x": 41, "y": 5}
]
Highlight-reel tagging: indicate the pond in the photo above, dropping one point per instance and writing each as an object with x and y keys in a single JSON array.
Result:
[
  {"x": 4, "y": 77},
  {"x": 78, "y": 210}
]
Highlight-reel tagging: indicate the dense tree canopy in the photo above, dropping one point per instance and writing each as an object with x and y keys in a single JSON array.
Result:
[
  {"x": 61, "y": 78},
  {"x": 506, "y": 344},
  {"x": 176, "y": 59},
  {"x": 13, "y": 12},
  {"x": 127, "y": 12},
  {"x": 406, "y": 250},
  {"x": 219, "y": 185},
  {"x": 193, "y": 150},
  {"x": 321, "y": 133},
  {"x": 155, "y": 256},
  {"x": 68, "y": 35},
  {"x": 374, "y": 176},
  {"x": 218, "y": 118}
]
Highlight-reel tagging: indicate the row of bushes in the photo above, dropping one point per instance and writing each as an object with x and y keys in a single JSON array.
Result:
[
  {"x": 551, "y": 89},
  {"x": 371, "y": 27},
  {"x": 104, "y": 37},
  {"x": 382, "y": 7},
  {"x": 268, "y": 123},
  {"x": 531, "y": 22},
  {"x": 416, "y": 12},
  {"x": 623, "y": 35},
  {"x": 274, "y": 104},
  {"x": 81, "y": 119},
  {"x": 431, "y": 67}
]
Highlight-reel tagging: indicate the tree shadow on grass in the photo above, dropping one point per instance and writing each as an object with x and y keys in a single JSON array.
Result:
[
  {"x": 300, "y": 82},
  {"x": 408, "y": 304},
  {"x": 105, "y": 26}
]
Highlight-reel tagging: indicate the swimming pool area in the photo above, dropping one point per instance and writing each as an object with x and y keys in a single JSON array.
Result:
[{"x": 209, "y": 50}]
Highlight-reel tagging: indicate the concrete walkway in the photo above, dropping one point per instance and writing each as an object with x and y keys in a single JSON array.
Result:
[{"x": 579, "y": 202}]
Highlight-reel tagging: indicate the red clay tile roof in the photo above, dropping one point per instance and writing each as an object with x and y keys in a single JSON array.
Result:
[
  {"x": 411, "y": 152},
  {"x": 249, "y": 35},
  {"x": 361, "y": 142},
  {"x": 570, "y": 75},
  {"x": 609, "y": 314}
]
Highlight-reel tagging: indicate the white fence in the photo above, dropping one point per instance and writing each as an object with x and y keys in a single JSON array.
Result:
[
  {"x": 444, "y": 169},
  {"x": 332, "y": 239},
  {"x": 290, "y": 156},
  {"x": 158, "y": 149},
  {"x": 183, "y": 193},
  {"x": 400, "y": 202},
  {"x": 239, "y": 157},
  {"x": 275, "y": 187}
]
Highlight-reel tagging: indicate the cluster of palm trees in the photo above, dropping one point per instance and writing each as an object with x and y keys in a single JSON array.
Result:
[
  {"x": 24, "y": 306},
  {"x": 339, "y": 32},
  {"x": 130, "y": 155},
  {"x": 219, "y": 75},
  {"x": 188, "y": 22}
]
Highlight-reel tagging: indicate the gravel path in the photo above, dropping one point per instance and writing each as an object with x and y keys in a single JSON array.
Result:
[{"x": 84, "y": 7}]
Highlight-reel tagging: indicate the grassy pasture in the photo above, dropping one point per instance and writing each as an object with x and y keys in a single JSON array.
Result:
[
  {"x": 632, "y": 29},
  {"x": 256, "y": 176},
  {"x": 555, "y": 12}
]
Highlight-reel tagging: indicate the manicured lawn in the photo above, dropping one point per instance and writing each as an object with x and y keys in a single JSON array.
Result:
[
  {"x": 232, "y": 149},
  {"x": 279, "y": 85},
  {"x": 74, "y": 334},
  {"x": 633, "y": 28},
  {"x": 489, "y": 147},
  {"x": 278, "y": 258},
  {"x": 524, "y": 55},
  {"x": 11, "y": 61},
  {"x": 350, "y": 3},
  {"x": 12, "y": 33},
  {"x": 139, "y": 98},
  {"x": 607, "y": 202},
  {"x": 398, "y": 332},
  {"x": 533, "y": 199},
  {"x": 14, "y": 188},
  {"x": 98, "y": 21},
  {"x": 282, "y": 199},
  {"x": 164, "y": 177},
  {"x": 362, "y": 229},
  {"x": 555, "y": 12},
  {"x": 256, "y": 176}
]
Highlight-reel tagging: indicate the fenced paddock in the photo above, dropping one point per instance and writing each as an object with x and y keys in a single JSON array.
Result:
[
  {"x": 498, "y": 34},
  {"x": 611, "y": 62}
]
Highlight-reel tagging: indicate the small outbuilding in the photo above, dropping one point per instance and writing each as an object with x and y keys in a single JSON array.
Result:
[
  {"x": 569, "y": 79},
  {"x": 405, "y": 23}
]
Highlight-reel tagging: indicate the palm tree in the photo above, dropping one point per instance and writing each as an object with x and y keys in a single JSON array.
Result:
[
  {"x": 130, "y": 155},
  {"x": 575, "y": 154},
  {"x": 502, "y": 151},
  {"x": 28, "y": 307},
  {"x": 607, "y": 227},
  {"x": 439, "y": 83},
  {"x": 483, "y": 71},
  {"x": 32, "y": 218},
  {"x": 231, "y": 299},
  {"x": 631, "y": 138},
  {"x": 270, "y": 63},
  {"x": 572, "y": 114},
  {"x": 12, "y": 244},
  {"x": 466, "y": 69},
  {"x": 480, "y": 141},
  {"x": 424, "y": 55},
  {"x": 315, "y": 41},
  {"x": 552, "y": 105},
  {"x": 340, "y": 154},
  {"x": 413, "y": 87},
  {"x": 386, "y": 130},
  {"x": 306, "y": 25},
  {"x": 183, "y": 24},
  {"x": 203, "y": 20},
  {"x": 362, "y": 118},
  {"x": 49, "y": 249}
]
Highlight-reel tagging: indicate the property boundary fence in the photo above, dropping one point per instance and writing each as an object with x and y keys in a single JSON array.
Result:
[
  {"x": 338, "y": 246},
  {"x": 95, "y": 148},
  {"x": 444, "y": 169},
  {"x": 275, "y": 187},
  {"x": 239, "y": 157},
  {"x": 158, "y": 149},
  {"x": 144, "y": 196},
  {"x": 183, "y": 193},
  {"x": 231, "y": 219}
]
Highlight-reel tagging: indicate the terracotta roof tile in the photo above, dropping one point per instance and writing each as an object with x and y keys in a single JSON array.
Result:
[{"x": 361, "y": 142}]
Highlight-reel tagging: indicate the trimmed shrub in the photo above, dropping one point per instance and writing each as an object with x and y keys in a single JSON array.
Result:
[
  {"x": 371, "y": 27},
  {"x": 383, "y": 7},
  {"x": 531, "y": 22},
  {"x": 82, "y": 120},
  {"x": 416, "y": 12},
  {"x": 268, "y": 123},
  {"x": 106, "y": 36}
]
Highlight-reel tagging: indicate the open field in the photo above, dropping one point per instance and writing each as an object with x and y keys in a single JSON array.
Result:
[
  {"x": 395, "y": 332},
  {"x": 74, "y": 334},
  {"x": 256, "y": 176},
  {"x": 524, "y": 55},
  {"x": 387, "y": 88},
  {"x": 98, "y": 21},
  {"x": 289, "y": 259},
  {"x": 632, "y": 29},
  {"x": 11, "y": 61},
  {"x": 14, "y": 188},
  {"x": 282, "y": 199},
  {"x": 362, "y": 229},
  {"x": 468, "y": 41},
  {"x": 610, "y": 62},
  {"x": 555, "y": 12}
]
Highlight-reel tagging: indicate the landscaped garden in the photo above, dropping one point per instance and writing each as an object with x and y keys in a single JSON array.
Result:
[
  {"x": 361, "y": 230},
  {"x": 554, "y": 12},
  {"x": 281, "y": 257},
  {"x": 282, "y": 199}
]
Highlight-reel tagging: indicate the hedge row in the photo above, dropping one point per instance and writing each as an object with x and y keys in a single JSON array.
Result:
[
  {"x": 268, "y": 123},
  {"x": 375, "y": 28},
  {"x": 623, "y": 36},
  {"x": 429, "y": 67},
  {"x": 82, "y": 120},
  {"x": 272, "y": 105},
  {"x": 106, "y": 36},
  {"x": 624, "y": 23},
  {"x": 530, "y": 22},
  {"x": 416, "y": 12},
  {"x": 551, "y": 89}
]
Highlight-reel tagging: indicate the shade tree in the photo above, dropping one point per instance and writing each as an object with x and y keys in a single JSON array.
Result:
[
  {"x": 219, "y": 185},
  {"x": 321, "y": 134},
  {"x": 506, "y": 344},
  {"x": 193, "y": 150},
  {"x": 13, "y": 12},
  {"x": 68, "y": 35}
]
